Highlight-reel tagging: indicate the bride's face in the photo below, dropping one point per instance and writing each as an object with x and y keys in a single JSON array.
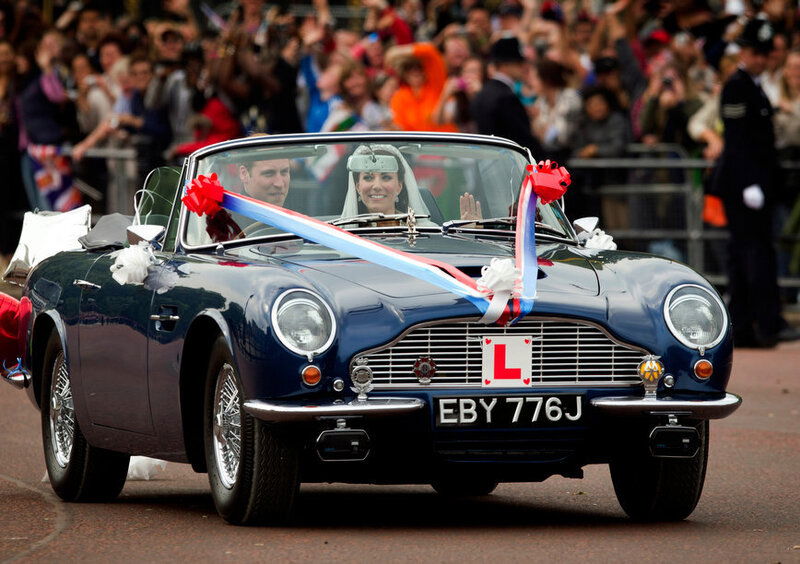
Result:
[{"x": 379, "y": 190}]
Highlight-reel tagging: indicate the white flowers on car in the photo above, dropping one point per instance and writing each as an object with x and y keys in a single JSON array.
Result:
[{"x": 131, "y": 263}]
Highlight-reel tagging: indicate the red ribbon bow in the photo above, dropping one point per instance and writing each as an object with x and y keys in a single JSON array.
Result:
[
  {"x": 204, "y": 195},
  {"x": 550, "y": 181}
]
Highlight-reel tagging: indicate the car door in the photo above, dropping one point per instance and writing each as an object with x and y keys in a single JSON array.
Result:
[{"x": 113, "y": 327}]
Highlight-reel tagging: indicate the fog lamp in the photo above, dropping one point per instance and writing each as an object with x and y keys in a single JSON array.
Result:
[
  {"x": 311, "y": 375},
  {"x": 703, "y": 369}
]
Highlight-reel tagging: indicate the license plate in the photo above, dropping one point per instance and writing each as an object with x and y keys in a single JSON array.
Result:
[{"x": 509, "y": 411}]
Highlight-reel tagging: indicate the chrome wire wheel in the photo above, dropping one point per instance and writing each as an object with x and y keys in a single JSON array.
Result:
[
  {"x": 62, "y": 412},
  {"x": 227, "y": 426}
]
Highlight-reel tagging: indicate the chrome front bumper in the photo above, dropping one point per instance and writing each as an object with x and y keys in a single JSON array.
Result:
[
  {"x": 286, "y": 411},
  {"x": 275, "y": 412},
  {"x": 635, "y": 406}
]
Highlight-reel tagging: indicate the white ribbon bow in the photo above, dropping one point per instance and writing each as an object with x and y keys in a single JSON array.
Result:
[
  {"x": 498, "y": 278},
  {"x": 131, "y": 264}
]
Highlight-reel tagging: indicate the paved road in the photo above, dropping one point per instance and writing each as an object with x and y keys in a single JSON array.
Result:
[{"x": 749, "y": 512}]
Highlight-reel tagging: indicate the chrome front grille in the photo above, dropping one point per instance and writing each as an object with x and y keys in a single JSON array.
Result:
[{"x": 565, "y": 353}]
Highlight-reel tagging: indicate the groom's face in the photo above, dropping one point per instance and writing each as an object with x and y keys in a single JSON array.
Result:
[{"x": 267, "y": 180}]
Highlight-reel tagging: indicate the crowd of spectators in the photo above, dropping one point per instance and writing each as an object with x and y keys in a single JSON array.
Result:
[{"x": 169, "y": 77}]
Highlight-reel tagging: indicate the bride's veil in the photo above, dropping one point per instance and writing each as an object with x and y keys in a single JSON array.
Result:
[{"x": 415, "y": 200}]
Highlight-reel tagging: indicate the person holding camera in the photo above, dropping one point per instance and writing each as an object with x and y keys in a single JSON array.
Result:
[
  {"x": 139, "y": 117},
  {"x": 556, "y": 110},
  {"x": 668, "y": 103},
  {"x": 457, "y": 95},
  {"x": 45, "y": 120},
  {"x": 92, "y": 103}
]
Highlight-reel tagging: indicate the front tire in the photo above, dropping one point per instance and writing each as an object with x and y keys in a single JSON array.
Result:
[
  {"x": 252, "y": 470},
  {"x": 660, "y": 489},
  {"x": 77, "y": 470}
]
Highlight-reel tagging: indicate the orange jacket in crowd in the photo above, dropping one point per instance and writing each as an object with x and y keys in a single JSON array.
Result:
[{"x": 412, "y": 112}]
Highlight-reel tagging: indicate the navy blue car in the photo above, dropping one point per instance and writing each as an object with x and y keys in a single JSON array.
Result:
[{"x": 266, "y": 358}]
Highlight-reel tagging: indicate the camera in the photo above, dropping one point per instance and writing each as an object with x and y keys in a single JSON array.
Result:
[
  {"x": 541, "y": 45},
  {"x": 667, "y": 82}
]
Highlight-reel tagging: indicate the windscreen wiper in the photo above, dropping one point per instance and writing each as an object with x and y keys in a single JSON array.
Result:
[
  {"x": 364, "y": 218},
  {"x": 455, "y": 224},
  {"x": 467, "y": 224}
]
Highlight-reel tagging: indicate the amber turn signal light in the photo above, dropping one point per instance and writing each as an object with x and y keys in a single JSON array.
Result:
[
  {"x": 311, "y": 375},
  {"x": 703, "y": 369}
]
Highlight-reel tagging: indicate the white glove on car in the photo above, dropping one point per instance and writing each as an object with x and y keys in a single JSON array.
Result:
[
  {"x": 601, "y": 240},
  {"x": 753, "y": 197}
]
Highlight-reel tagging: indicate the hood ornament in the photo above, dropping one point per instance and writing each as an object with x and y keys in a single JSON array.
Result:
[
  {"x": 361, "y": 376},
  {"x": 411, "y": 222},
  {"x": 651, "y": 369}
]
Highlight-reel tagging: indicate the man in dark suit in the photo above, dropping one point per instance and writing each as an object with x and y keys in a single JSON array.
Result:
[
  {"x": 745, "y": 180},
  {"x": 496, "y": 108}
]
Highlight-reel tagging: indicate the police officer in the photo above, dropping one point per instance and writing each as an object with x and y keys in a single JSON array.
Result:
[{"x": 745, "y": 180}]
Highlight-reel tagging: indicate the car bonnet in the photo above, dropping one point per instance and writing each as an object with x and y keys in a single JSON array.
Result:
[{"x": 561, "y": 270}]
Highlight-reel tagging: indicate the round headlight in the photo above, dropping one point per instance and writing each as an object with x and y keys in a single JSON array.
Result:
[
  {"x": 695, "y": 316},
  {"x": 303, "y": 322}
]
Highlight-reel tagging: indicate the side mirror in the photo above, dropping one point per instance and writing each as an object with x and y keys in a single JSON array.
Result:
[
  {"x": 585, "y": 225},
  {"x": 147, "y": 233},
  {"x": 590, "y": 236}
]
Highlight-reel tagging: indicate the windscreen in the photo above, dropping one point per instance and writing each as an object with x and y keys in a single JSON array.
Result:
[{"x": 340, "y": 181}]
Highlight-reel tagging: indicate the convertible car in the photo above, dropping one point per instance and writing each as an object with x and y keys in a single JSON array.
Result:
[{"x": 388, "y": 308}]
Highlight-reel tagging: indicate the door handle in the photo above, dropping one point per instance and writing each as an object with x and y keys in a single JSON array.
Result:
[
  {"x": 164, "y": 317},
  {"x": 85, "y": 284}
]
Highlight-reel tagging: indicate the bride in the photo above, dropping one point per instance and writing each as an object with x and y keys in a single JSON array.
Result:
[{"x": 380, "y": 180}]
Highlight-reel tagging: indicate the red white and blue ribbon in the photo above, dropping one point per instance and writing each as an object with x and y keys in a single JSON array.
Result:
[
  {"x": 205, "y": 195},
  {"x": 546, "y": 182}
]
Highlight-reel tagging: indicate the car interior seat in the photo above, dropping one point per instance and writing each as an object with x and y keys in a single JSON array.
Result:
[{"x": 433, "y": 207}]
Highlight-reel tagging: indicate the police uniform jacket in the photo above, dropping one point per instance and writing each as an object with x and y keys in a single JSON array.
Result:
[{"x": 749, "y": 156}]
